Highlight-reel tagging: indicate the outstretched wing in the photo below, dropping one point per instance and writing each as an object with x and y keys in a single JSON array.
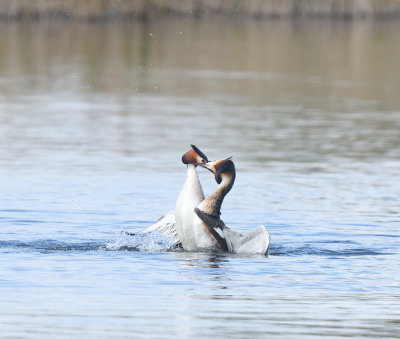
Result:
[
  {"x": 165, "y": 225},
  {"x": 215, "y": 226}
]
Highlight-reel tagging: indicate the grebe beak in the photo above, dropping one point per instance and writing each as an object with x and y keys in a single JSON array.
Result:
[{"x": 210, "y": 165}]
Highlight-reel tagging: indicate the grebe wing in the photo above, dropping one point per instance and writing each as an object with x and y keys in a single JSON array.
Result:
[
  {"x": 247, "y": 242},
  {"x": 214, "y": 226},
  {"x": 242, "y": 242},
  {"x": 165, "y": 225}
]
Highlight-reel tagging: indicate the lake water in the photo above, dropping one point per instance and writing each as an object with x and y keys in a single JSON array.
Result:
[{"x": 94, "y": 119}]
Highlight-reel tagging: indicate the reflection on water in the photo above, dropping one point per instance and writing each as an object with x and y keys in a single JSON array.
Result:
[
  {"x": 93, "y": 121},
  {"x": 309, "y": 93}
]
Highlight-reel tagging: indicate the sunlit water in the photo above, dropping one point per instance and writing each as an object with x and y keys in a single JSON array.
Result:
[{"x": 93, "y": 122}]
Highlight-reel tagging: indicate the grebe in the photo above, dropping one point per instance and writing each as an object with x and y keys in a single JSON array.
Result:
[
  {"x": 178, "y": 224},
  {"x": 209, "y": 211},
  {"x": 191, "y": 195}
]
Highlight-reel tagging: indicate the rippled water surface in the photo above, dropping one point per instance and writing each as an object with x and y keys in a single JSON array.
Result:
[{"x": 93, "y": 122}]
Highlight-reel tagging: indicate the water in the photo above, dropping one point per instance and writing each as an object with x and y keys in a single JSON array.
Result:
[{"x": 93, "y": 122}]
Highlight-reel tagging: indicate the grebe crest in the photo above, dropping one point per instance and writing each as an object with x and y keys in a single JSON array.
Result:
[{"x": 194, "y": 157}]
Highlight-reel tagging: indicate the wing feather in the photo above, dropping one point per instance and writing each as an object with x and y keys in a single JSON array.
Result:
[
  {"x": 214, "y": 226},
  {"x": 165, "y": 225}
]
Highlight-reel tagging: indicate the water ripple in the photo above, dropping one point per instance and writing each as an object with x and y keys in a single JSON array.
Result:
[
  {"x": 124, "y": 242},
  {"x": 48, "y": 245},
  {"x": 280, "y": 250},
  {"x": 156, "y": 243}
]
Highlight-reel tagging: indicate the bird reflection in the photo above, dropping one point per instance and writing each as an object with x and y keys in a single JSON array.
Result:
[
  {"x": 201, "y": 259},
  {"x": 208, "y": 269}
]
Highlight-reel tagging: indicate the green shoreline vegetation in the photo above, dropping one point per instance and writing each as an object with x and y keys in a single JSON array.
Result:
[{"x": 110, "y": 10}]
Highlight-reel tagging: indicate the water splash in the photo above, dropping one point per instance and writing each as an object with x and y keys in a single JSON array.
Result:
[{"x": 151, "y": 242}]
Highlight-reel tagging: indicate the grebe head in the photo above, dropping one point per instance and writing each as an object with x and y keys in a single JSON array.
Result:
[
  {"x": 194, "y": 157},
  {"x": 222, "y": 169}
]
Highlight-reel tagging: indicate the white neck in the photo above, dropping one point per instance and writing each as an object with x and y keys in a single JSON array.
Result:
[
  {"x": 192, "y": 186},
  {"x": 191, "y": 169}
]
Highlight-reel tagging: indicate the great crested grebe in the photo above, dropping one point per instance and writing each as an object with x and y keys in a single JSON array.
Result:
[
  {"x": 209, "y": 211},
  {"x": 191, "y": 195},
  {"x": 179, "y": 224}
]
